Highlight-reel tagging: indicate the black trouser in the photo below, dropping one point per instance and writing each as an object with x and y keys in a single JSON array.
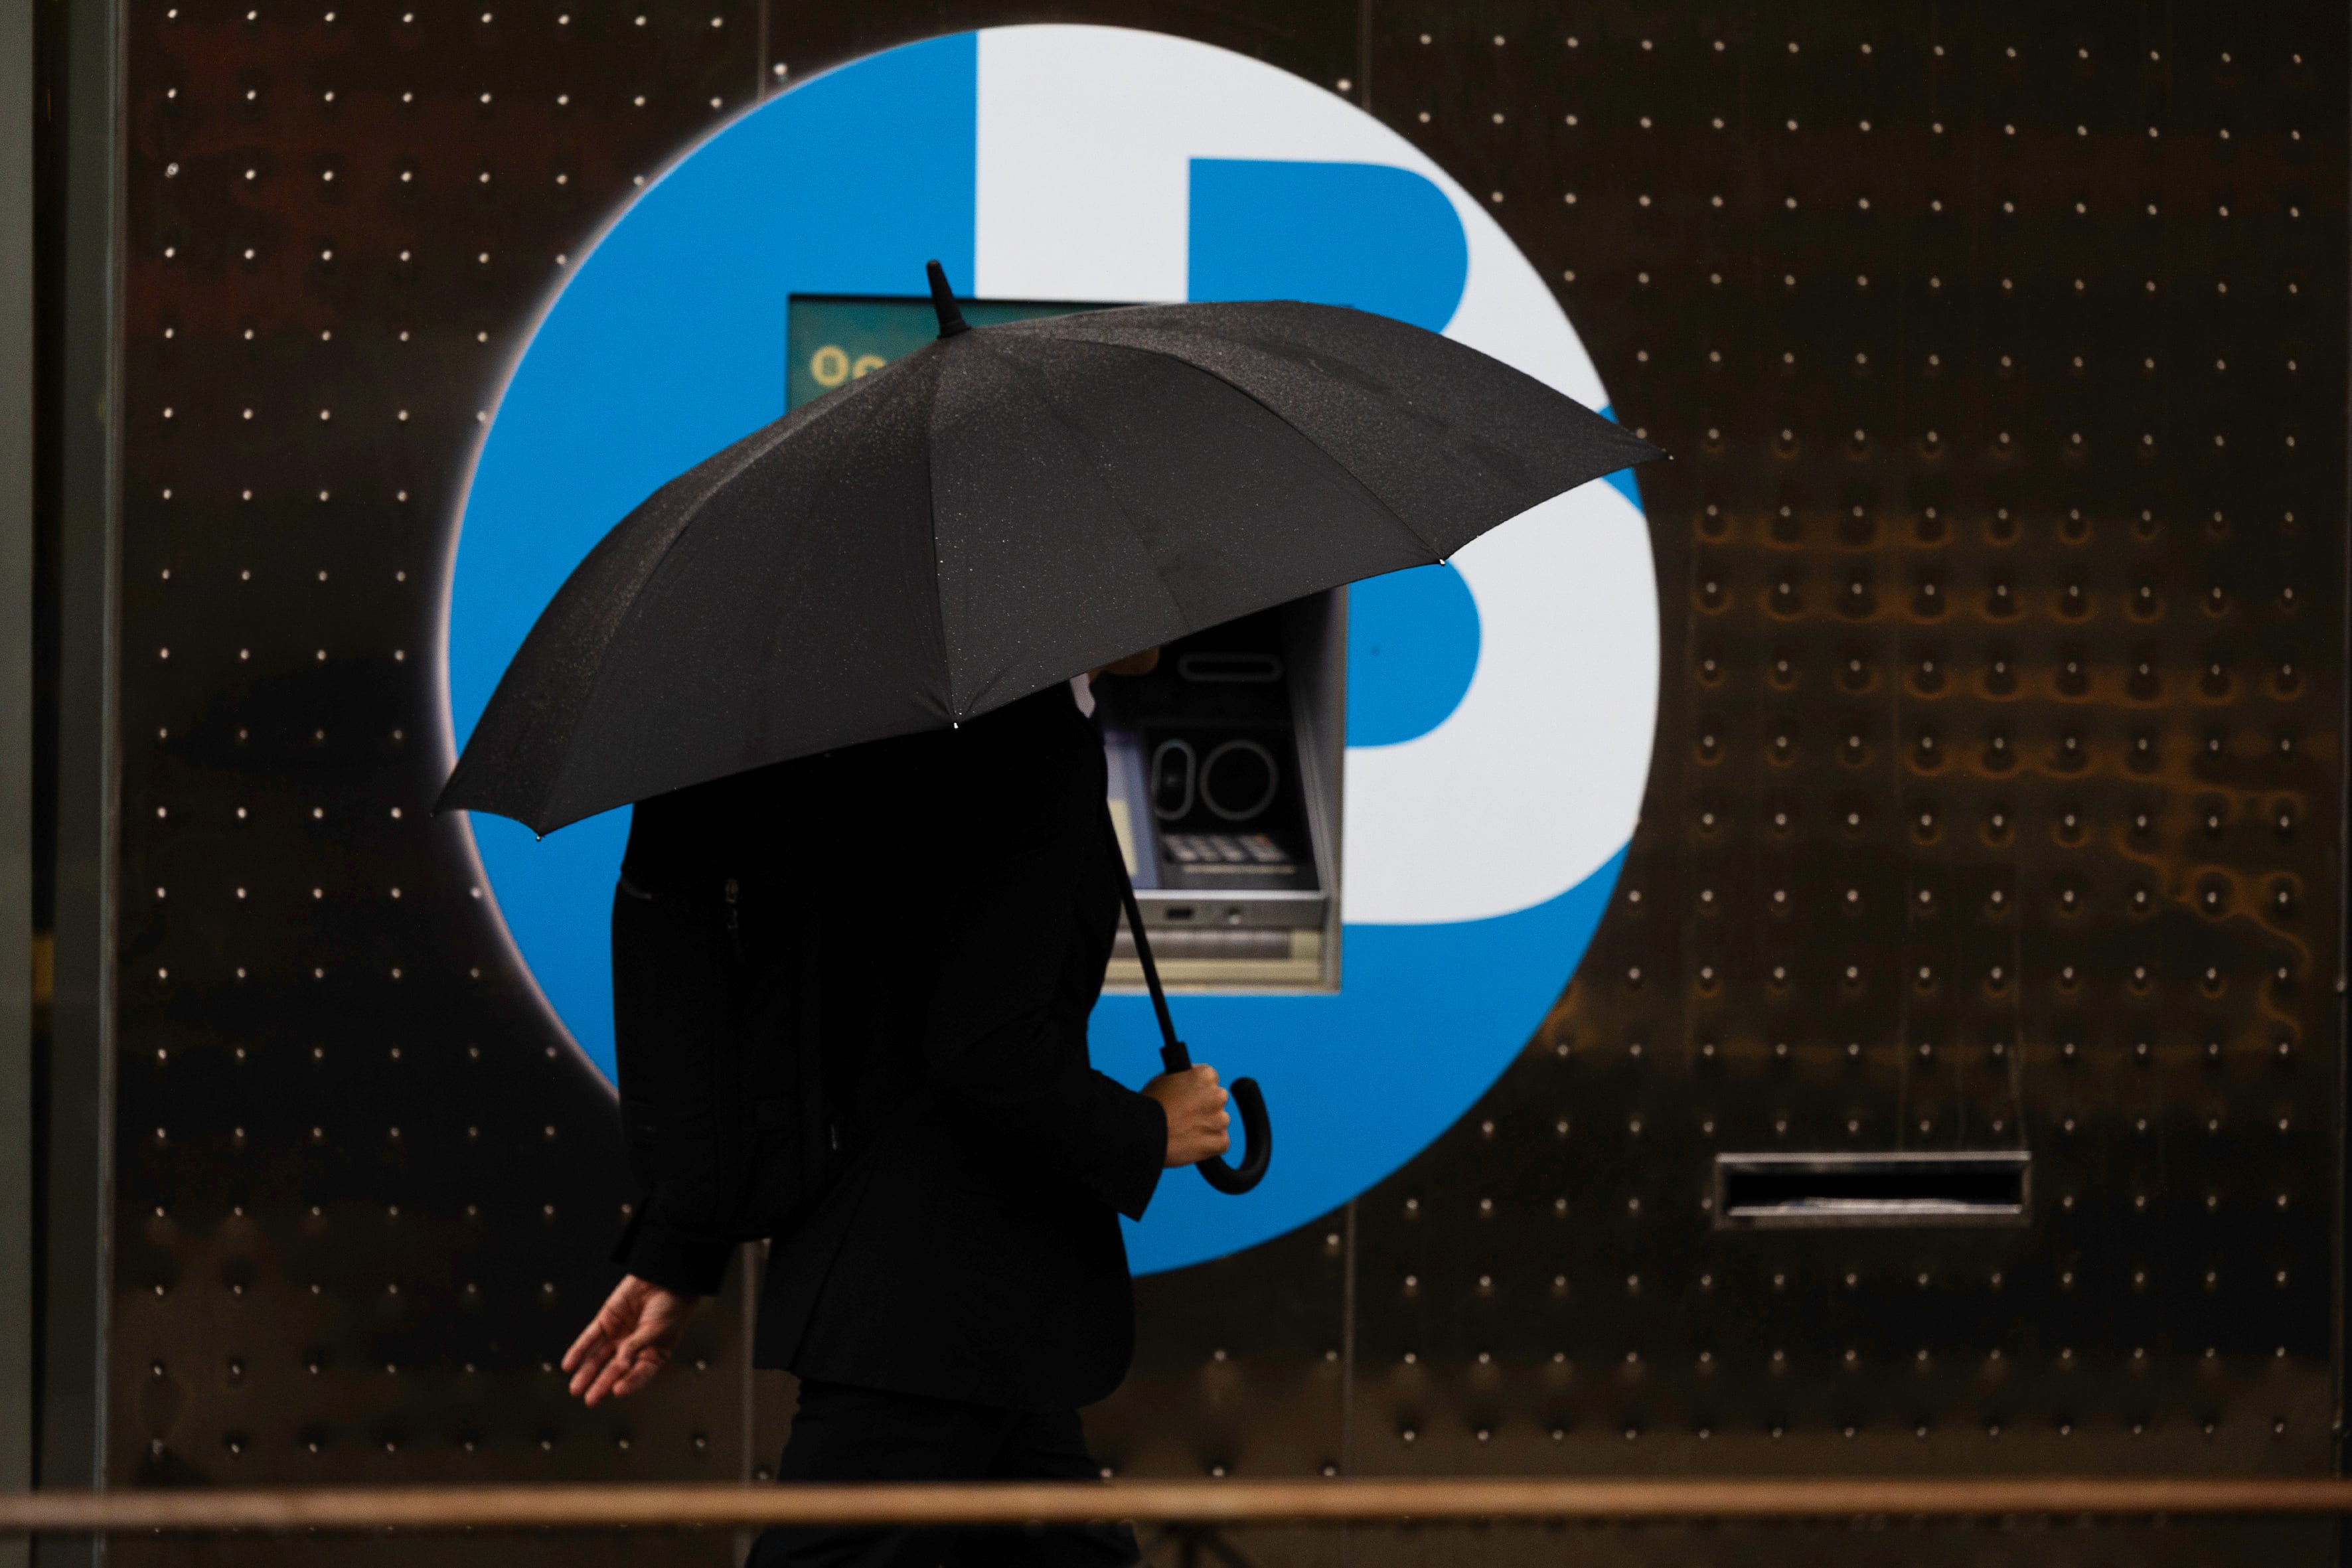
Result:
[{"x": 843, "y": 1433}]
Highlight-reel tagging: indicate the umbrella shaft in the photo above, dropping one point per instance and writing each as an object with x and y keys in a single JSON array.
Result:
[{"x": 1173, "y": 1057}]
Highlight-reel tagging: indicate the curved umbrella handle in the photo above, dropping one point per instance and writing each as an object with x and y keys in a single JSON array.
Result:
[
  {"x": 1257, "y": 1132},
  {"x": 1258, "y": 1144}
]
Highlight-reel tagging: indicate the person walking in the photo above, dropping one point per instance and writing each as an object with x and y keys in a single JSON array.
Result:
[
  {"x": 869, "y": 894},
  {"x": 851, "y": 996}
]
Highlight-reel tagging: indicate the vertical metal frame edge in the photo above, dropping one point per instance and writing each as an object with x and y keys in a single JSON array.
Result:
[
  {"x": 17, "y": 96},
  {"x": 2343, "y": 1131},
  {"x": 81, "y": 1107}
]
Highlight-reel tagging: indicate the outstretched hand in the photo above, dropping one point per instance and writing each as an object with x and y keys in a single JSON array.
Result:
[{"x": 629, "y": 1341}]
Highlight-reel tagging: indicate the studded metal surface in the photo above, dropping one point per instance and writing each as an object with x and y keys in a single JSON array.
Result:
[
  {"x": 364, "y": 1192},
  {"x": 1995, "y": 799}
]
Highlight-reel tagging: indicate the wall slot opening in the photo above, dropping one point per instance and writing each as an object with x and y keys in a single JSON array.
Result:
[{"x": 1775, "y": 1191}]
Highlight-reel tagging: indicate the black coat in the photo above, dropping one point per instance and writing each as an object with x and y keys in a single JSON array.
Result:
[{"x": 941, "y": 1172}]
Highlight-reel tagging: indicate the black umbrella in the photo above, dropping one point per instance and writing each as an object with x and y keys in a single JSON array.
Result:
[{"x": 996, "y": 512}]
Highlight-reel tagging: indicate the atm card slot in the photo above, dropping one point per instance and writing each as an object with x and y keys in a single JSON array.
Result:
[{"x": 1208, "y": 942}]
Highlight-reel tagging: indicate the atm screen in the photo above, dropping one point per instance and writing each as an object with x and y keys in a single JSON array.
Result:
[{"x": 834, "y": 339}]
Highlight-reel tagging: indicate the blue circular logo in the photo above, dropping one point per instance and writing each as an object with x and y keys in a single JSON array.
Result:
[{"x": 1500, "y": 709}]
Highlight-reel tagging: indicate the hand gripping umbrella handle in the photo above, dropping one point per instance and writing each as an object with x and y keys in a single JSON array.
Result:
[{"x": 1257, "y": 1132}]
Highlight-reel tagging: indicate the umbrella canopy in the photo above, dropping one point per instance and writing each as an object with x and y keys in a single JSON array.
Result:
[{"x": 996, "y": 512}]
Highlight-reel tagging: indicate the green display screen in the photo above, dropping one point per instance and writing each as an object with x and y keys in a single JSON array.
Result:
[{"x": 834, "y": 339}]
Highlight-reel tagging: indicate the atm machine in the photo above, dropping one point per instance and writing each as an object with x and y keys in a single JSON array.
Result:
[{"x": 1225, "y": 788}]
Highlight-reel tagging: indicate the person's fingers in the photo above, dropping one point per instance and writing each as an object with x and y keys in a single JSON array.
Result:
[
  {"x": 594, "y": 1394},
  {"x": 1206, "y": 1074},
  {"x": 641, "y": 1373},
  {"x": 641, "y": 1355},
  {"x": 1221, "y": 1122},
  {"x": 614, "y": 1368},
  {"x": 593, "y": 1364},
  {"x": 592, "y": 1367},
  {"x": 589, "y": 1360},
  {"x": 587, "y": 1342},
  {"x": 1223, "y": 1096},
  {"x": 600, "y": 1342}
]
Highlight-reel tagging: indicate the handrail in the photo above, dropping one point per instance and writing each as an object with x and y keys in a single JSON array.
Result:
[{"x": 659, "y": 1506}]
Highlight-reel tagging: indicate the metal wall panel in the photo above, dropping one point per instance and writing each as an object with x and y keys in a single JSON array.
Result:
[
  {"x": 17, "y": 99},
  {"x": 1995, "y": 800},
  {"x": 82, "y": 435},
  {"x": 365, "y": 1192}
]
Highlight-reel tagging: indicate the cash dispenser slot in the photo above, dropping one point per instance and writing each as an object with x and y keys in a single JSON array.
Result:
[
  {"x": 1784, "y": 1191},
  {"x": 1225, "y": 770}
]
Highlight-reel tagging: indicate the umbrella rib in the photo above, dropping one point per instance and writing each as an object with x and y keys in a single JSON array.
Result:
[
  {"x": 1093, "y": 460},
  {"x": 1287, "y": 423},
  {"x": 1276, "y": 414},
  {"x": 785, "y": 430},
  {"x": 1079, "y": 438},
  {"x": 937, "y": 598}
]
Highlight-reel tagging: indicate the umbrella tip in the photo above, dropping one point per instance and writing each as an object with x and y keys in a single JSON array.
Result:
[{"x": 951, "y": 320}]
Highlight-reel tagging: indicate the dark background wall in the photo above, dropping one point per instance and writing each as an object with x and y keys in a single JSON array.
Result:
[{"x": 1996, "y": 801}]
